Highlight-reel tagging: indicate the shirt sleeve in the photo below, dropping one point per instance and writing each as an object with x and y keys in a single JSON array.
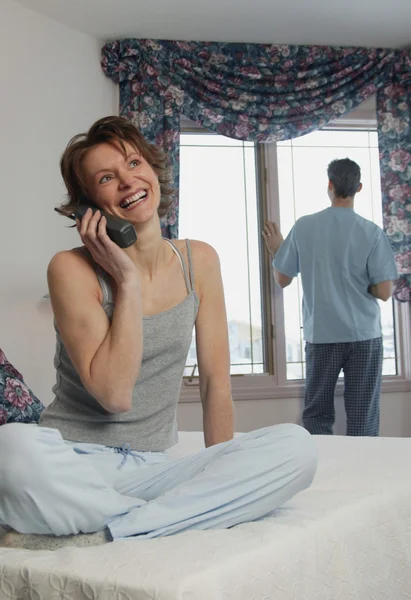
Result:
[
  {"x": 381, "y": 262},
  {"x": 286, "y": 259}
]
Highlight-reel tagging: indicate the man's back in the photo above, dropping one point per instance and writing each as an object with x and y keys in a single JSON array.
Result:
[
  {"x": 339, "y": 254},
  {"x": 346, "y": 262}
]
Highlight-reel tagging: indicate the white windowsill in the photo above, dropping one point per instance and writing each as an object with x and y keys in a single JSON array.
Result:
[{"x": 264, "y": 387}]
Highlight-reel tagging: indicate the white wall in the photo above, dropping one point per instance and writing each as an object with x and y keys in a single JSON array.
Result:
[{"x": 52, "y": 87}]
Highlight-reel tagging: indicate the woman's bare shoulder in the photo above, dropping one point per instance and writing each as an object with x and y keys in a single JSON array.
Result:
[
  {"x": 203, "y": 254},
  {"x": 73, "y": 266},
  {"x": 76, "y": 258},
  {"x": 206, "y": 263}
]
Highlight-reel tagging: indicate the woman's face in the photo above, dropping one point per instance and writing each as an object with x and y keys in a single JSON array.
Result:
[{"x": 122, "y": 185}]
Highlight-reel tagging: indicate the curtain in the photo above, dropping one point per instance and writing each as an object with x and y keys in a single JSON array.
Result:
[{"x": 394, "y": 140}]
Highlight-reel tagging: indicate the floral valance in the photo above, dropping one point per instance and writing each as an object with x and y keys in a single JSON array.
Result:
[{"x": 263, "y": 93}]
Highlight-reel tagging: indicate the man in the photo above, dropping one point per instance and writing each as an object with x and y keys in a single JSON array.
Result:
[{"x": 346, "y": 264}]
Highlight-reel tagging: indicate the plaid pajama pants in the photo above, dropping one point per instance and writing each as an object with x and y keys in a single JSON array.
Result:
[{"x": 361, "y": 363}]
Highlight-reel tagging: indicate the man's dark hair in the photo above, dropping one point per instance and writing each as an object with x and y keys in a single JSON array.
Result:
[{"x": 345, "y": 175}]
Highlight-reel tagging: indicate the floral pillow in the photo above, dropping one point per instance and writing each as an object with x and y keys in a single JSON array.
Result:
[{"x": 18, "y": 404}]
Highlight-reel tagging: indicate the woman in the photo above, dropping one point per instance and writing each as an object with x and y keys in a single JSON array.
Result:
[{"x": 124, "y": 321}]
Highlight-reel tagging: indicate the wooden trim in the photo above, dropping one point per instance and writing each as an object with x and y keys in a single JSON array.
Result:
[
  {"x": 263, "y": 387},
  {"x": 403, "y": 338},
  {"x": 277, "y": 299},
  {"x": 267, "y": 291}
]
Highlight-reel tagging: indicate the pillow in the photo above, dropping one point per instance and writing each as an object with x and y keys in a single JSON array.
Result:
[{"x": 18, "y": 404}]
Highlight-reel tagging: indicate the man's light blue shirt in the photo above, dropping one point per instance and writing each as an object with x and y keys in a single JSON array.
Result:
[{"x": 339, "y": 254}]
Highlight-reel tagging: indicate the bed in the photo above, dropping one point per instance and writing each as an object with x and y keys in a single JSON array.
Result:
[{"x": 347, "y": 537}]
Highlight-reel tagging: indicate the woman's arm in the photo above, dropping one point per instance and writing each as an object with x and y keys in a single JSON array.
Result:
[
  {"x": 107, "y": 356},
  {"x": 212, "y": 347}
]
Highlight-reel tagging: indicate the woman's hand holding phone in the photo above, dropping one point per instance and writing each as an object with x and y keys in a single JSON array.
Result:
[{"x": 112, "y": 258}]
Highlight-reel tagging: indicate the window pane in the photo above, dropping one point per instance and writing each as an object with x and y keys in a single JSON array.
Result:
[
  {"x": 209, "y": 139},
  {"x": 218, "y": 204},
  {"x": 389, "y": 366},
  {"x": 292, "y": 317},
  {"x": 305, "y": 160},
  {"x": 373, "y": 139},
  {"x": 331, "y": 139},
  {"x": 295, "y": 370}
]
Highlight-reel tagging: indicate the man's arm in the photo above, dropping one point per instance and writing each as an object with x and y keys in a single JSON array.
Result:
[
  {"x": 382, "y": 270},
  {"x": 282, "y": 280},
  {"x": 288, "y": 255},
  {"x": 382, "y": 290}
]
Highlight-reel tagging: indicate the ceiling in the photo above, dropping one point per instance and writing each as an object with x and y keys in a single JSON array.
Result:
[{"x": 372, "y": 23}]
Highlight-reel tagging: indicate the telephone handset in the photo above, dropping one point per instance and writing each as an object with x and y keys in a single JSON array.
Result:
[{"x": 119, "y": 230}]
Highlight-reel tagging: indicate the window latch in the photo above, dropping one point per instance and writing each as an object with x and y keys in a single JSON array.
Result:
[{"x": 190, "y": 378}]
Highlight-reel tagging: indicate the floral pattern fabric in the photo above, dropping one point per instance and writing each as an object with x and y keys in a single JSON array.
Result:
[
  {"x": 18, "y": 404},
  {"x": 394, "y": 135},
  {"x": 266, "y": 93}
]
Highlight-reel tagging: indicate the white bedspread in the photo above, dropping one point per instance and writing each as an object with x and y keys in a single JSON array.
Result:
[{"x": 347, "y": 537}]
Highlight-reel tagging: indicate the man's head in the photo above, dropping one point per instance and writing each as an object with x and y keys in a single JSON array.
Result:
[{"x": 344, "y": 177}]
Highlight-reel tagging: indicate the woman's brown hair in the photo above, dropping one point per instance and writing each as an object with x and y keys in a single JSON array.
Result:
[{"x": 111, "y": 130}]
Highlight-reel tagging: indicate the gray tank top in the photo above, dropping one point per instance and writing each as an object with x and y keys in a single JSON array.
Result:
[{"x": 151, "y": 424}]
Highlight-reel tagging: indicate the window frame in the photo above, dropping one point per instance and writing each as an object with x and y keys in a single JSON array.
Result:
[{"x": 273, "y": 384}]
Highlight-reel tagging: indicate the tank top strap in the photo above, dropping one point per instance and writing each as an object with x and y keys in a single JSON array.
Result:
[
  {"x": 104, "y": 281},
  {"x": 102, "y": 276},
  {"x": 182, "y": 263},
  {"x": 190, "y": 263}
]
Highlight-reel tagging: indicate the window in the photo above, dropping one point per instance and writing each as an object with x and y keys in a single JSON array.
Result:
[
  {"x": 227, "y": 189},
  {"x": 218, "y": 204}
]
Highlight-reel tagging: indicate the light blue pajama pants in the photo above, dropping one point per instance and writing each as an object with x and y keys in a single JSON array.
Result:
[{"x": 50, "y": 486}]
